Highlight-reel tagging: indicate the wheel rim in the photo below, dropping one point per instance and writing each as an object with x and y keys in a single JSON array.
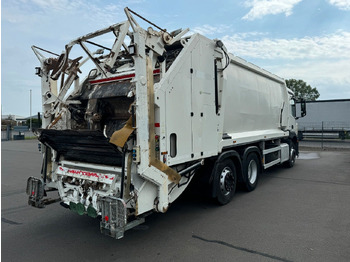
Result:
[
  {"x": 252, "y": 171},
  {"x": 227, "y": 181}
]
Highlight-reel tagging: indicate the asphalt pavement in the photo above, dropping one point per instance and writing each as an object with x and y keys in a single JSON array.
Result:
[{"x": 297, "y": 214}]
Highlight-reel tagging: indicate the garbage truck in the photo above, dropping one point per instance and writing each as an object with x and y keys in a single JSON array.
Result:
[{"x": 130, "y": 116}]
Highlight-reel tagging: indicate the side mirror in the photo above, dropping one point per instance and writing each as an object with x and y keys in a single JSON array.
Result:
[
  {"x": 300, "y": 109},
  {"x": 303, "y": 108}
]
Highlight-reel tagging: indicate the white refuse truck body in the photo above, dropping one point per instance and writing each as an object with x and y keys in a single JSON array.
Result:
[{"x": 156, "y": 108}]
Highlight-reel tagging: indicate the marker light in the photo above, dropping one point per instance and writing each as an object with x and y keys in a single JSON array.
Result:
[{"x": 132, "y": 49}]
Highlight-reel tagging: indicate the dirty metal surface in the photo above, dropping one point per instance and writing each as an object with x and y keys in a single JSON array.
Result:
[{"x": 105, "y": 90}]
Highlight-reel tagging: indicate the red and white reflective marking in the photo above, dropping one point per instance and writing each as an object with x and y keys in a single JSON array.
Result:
[
  {"x": 94, "y": 176},
  {"x": 119, "y": 78}
]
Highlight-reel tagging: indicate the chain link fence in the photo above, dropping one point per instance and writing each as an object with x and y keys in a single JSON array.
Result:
[
  {"x": 324, "y": 130},
  {"x": 9, "y": 133}
]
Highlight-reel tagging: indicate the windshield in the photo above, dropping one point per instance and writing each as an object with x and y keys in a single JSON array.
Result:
[{"x": 293, "y": 108}]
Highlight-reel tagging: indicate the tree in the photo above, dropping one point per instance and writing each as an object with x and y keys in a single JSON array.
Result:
[
  {"x": 302, "y": 90},
  {"x": 36, "y": 123},
  {"x": 9, "y": 121}
]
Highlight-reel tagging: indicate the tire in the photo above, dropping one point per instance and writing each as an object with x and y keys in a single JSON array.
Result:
[
  {"x": 225, "y": 180},
  {"x": 292, "y": 155},
  {"x": 251, "y": 172}
]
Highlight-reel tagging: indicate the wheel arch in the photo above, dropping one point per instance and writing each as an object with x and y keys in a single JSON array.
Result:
[
  {"x": 234, "y": 156},
  {"x": 293, "y": 138}
]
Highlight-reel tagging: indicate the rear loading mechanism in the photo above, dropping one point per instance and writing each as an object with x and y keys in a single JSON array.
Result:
[
  {"x": 154, "y": 109},
  {"x": 81, "y": 145}
]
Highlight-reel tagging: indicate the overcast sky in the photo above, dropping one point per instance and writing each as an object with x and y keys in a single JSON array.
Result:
[{"x": 301, "y": 39}]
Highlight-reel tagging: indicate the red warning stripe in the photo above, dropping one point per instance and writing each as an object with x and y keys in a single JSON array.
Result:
[{"x": 116, "y": 78}]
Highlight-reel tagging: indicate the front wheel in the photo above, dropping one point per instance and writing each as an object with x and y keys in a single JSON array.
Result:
[
  {"x": 225, "y": 180},
  {"x": 292, "y": 156}
]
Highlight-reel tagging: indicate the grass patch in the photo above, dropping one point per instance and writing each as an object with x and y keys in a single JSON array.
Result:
[{"x": 30, "y": 137}]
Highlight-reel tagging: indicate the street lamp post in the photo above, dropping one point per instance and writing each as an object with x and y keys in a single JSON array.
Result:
[{"x": 30, "y": 127}]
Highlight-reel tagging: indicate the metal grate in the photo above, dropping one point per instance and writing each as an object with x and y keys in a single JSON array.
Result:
[
  {"x": 114, "y": 220},
  {"x": 35, "y": 191}
]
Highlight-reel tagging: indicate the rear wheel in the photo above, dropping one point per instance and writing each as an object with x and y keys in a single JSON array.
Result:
[
  {"x": 225, "y": 179},
  {"x": 251, "y": 172}
]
